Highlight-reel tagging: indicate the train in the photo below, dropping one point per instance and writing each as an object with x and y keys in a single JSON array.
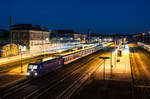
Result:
[
  {"x": 144, "y": 46},
  {"x": 41, "y": 67}
]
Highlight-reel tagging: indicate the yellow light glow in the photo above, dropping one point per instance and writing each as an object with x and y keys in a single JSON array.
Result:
[{"x": 143, "y": 33}]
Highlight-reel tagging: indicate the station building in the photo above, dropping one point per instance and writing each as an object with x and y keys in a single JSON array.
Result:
[
  {"x": 142, "y": 37},
  {"x": 67, "y": 36},
  {"x": 30, "y": 37},
  {"x": 62, "y": 35}
]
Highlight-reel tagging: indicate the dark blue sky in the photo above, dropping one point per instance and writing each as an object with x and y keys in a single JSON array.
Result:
[{"x": 103, "y": 16}]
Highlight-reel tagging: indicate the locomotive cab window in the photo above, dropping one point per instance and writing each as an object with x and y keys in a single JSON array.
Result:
[{"x": 32, "y": 67}]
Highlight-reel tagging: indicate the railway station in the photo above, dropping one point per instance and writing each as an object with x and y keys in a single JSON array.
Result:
[
  {"x": 74, "y": 49},
  {"x": 99, "y": 70},
  {"x": 117, "y": 78},
  {"x": 106, "y": 68}
]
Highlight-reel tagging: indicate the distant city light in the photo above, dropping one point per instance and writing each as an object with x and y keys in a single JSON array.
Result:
[{"x": 143, "y": 33}]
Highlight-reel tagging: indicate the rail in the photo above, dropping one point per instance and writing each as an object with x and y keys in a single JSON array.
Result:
[
  {"x": 140, "y": 87},
  {"x": 12, "y": 90}
]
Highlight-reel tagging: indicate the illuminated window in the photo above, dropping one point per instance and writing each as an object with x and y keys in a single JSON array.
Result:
[{"x": 32, "y": 67}]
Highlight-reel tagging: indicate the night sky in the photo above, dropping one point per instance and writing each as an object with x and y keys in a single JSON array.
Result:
[{"x": 101, "y": 16}]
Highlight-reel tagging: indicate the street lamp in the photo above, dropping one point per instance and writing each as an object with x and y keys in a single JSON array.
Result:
[
  {"x": 43, "y": 43},
  {"x": 56, "y": 32},
  {"x": 104, "y": 65},
  {"x": 111, "y": 66},
  {"x": 21, "y": 59},
  {"x": 21, "y": 64}
]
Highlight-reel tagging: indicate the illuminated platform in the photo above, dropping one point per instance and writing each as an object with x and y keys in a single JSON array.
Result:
[{"x": 118, "y": 87}]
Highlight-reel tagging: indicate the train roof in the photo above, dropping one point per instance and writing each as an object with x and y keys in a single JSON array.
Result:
[
  {"x": 44, "y": 59},
  {"x": 68, "y": 53}
]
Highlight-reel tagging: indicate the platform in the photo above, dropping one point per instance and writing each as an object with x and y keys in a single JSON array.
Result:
[
  {"x": 12, "y": 76},
  {"x": 117, "y": 87}
]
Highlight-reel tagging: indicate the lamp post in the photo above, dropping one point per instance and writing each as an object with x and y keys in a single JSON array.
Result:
[
  {"x": 115, "y": 52},
  {"x": 104, "y": 65},
  {"x": 10, "y": 36},
  {"x": 111, "y": 66},
  {"x": 21, "y": 61},
  {"x": 56, "y": 34},
  {"x": 43, "y": 43}
]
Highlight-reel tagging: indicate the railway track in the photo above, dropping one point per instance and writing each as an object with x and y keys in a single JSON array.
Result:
[
  {"x": 68, "y": 93},
  {"x": 9, "y": 66},
  {"x": 13, "y": 88},
  {"x": 145, "y": 52},
  {"x": 67, "y": 85},
  {"x": 24, "y": 90},
  {"x": 140, "y": 79}
]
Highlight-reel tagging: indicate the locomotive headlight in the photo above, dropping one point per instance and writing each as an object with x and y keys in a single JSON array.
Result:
[
  {"x": 35, "y": 74},
  {"x": 28, "y": 73}
]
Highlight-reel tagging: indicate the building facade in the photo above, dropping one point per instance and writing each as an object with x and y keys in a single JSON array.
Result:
[
  {"x": 83, "y": 38},
  {"x": 62, "y": 35},
  {"x": 77, "y": 36},
  {"x": 29, "y": 37},
  {"x": 67, "y": 35}
]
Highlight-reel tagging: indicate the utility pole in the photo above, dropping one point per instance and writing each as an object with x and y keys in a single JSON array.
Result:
[
  {"x": 43, "y": 42},
  {"x": 111, "y": 66},
  {"x": 21, "y": 63},
  {"x": 104, "y": 65},
  {"x": 88, "y": 35},
  {"x": 104, "y": 71},
  {"x": 115, "y": 52},
  {"x": 10, "y": 23},
  {"x": 10, "y": 36},
  {"x": 56, "y": 34}
]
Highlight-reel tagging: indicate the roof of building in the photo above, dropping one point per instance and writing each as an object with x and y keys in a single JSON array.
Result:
[
  {"x": 64, "y": 31},
  {"x": 28, "y": 27}
]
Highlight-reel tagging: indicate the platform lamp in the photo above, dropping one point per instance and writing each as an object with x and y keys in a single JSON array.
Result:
[
  {"x": 20, "y": 51},
  {"x": 104, "y": 58}
]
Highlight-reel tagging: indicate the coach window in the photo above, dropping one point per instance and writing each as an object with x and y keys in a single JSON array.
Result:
[{"x": 67, "y": 58}]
